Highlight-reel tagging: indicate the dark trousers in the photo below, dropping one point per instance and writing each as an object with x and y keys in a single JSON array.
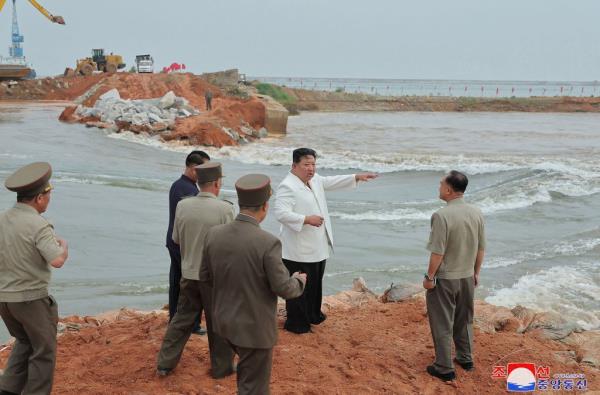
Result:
[
  {"x": 221, "y": 353},
  {"x": 305, "y": 309},
  {"x": 174, "y": 287},
  {"x": 450, "y": 310},
  {"x": 254, "y": 370},
  {"x": 180, "y": 329},
  {"x": 30, "y": 367}
]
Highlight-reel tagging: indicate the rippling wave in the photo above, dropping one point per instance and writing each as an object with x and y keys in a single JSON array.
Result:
[{"x": 568, "y": 290}]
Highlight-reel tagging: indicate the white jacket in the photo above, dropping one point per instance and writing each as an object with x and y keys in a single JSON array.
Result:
[{"x": 294, "y": 201}]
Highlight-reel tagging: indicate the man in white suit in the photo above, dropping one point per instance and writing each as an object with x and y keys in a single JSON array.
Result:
[{"x": 306, "y": 233}]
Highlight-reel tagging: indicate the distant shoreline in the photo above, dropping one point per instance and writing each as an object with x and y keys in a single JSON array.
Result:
[
  {"x": 296, "y": 100},
  {"x": 326, "y": 101}
]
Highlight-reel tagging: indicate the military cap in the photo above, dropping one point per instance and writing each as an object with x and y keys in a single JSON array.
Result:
[
  {"x": 209, "y": 171},
  {"x": 253, "y": 190},
  {"x": 30, "y": 180}
]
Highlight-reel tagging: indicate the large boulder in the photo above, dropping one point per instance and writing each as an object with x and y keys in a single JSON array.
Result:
[
  {"x": 112, "y": 94},
  {"x": 360, "y": 294},
  {"x": 168, "y": 100},
  {"x": 490, "y": 319},
  {"x": 262, "y": 133},
  {"x": 588, "y": 346},
  {"x": 549, "y": 325},
  {"x": 400, "y": 292}
]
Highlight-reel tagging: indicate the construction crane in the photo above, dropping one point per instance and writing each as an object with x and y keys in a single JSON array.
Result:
[
  {"x": 15, "y": 66},
  {"x": 16, "y": 48},
  {"x": 53, "y": 18}
]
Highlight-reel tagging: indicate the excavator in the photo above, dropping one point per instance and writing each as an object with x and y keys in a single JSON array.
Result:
[{"x": 53, "y": 18}]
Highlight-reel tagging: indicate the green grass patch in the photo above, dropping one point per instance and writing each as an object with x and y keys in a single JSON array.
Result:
[{"x": 275, "y": 92}]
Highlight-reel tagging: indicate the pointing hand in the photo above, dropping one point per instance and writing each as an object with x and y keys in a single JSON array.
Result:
[{"x": 366, "y": 176}]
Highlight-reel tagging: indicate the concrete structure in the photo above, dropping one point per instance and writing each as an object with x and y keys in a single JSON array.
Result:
[{"x": 276, "y": 115}]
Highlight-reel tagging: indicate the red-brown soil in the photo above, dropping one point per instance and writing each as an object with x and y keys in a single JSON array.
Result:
[
  {"x": 371, "y": 348},
  {"x": 205, "y": 129}
]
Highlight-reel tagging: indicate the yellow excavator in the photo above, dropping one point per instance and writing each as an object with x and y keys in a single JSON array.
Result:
[{"x": 54, "y": 18}]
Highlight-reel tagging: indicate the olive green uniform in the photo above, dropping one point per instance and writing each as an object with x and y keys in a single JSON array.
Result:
[
  {"x": 194, "y": 216},
  {"x": 457, "y": 233},
  {"x": 27, "y": 245},
  {"x": 247, "y": 279}
]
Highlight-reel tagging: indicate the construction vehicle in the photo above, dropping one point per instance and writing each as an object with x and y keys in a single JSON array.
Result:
[
  {"x": 100, "y": 62},
  {"x": 54, "y": 18},
  {"x": 144, "y": 64},
  {"x": 15, "y": 66}
]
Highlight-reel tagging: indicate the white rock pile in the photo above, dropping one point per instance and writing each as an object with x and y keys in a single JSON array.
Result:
[
  {"x": 247, "y": 133},
  {"x": 143, "y": 114}
]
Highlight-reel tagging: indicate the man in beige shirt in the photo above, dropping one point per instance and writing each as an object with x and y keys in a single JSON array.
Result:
[
  {"x": 28, "y": 249},
  {"x": 194, "y": 216},
  {"x": 456, "y": 243}
]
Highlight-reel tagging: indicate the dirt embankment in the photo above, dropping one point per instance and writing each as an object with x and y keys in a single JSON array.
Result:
[
  {"x": 233, "y": 120},
  {"x": 308, "y": 100},
  {"x": 364, "y": 347}
]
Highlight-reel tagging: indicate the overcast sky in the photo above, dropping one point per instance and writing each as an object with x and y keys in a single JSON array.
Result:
[{"x": 421, "y": 39}]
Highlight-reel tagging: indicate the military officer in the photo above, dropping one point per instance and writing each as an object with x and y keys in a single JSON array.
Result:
[
  {"x": 193, "y": 218},
  {"x": 28, "y": 249},
  {"x": 243, "y": 265}
]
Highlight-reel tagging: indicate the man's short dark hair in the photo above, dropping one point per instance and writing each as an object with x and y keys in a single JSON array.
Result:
[
  {"x": 300, "y": 152},
  {"x": 196, "y": 158},
  {"x": 253, "y": 209},
  {"x": 25, "y": 199},
  {"x": 457, "y": 181}
]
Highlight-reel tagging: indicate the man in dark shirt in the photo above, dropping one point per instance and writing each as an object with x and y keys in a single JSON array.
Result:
[{"x": 184, "y": 187}]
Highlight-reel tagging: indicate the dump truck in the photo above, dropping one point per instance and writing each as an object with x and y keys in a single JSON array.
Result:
[
  {"x": 100, "y": 62},
  {"x": 144, "y": 64}
]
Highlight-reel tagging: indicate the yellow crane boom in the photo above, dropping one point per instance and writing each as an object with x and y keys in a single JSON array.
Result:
[{"x": 54, "y": 18}]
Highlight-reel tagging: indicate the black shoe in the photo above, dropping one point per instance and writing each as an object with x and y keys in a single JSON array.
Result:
[
  {"x": 322, "y": 317},
  {"x": 2, "y": 392},
  {"x": 228, "y": 373},
  {"x": 468, "y": 366},
  {"x": 163, "y": 372},
  {"x": 442, "y": 376},
  {"x": 199, "y": 331},
  {"x": 297, "y": 331}
]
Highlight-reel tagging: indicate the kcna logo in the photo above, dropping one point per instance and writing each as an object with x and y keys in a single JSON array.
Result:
[
  {"x": 526, "y": 377},
  {"x": 520, "y": 377}
]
